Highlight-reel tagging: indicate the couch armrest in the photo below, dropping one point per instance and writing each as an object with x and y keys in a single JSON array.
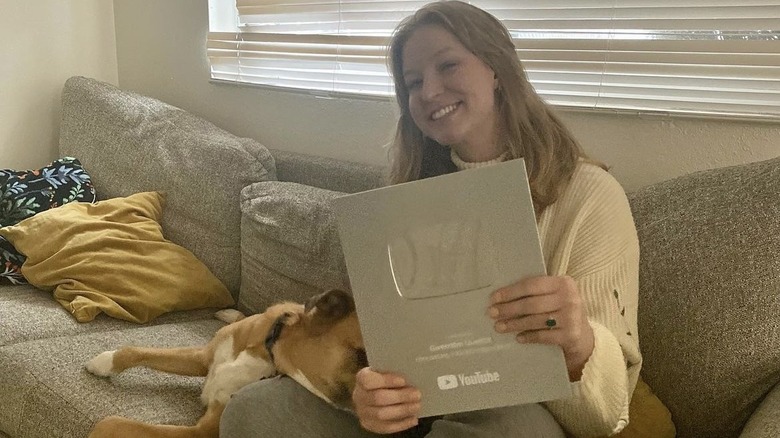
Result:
[{"x": 765, "y": 421}]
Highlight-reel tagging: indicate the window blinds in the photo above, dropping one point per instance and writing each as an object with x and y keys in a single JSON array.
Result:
[{"x": 704, "y": 57}]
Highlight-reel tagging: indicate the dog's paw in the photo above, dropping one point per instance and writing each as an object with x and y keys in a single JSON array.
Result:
[
  {"x": 229, "y": 315},
  {"x": 102, "y": 364}
]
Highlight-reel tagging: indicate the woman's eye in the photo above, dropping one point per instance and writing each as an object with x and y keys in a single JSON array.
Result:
[
  {"x": 411, "y": 85},
  {"x": 448, "y": 65}
]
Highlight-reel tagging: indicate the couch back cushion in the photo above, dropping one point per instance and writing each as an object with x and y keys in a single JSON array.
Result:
[
  {"x": 131, "y": 143},
  {"x": 709, "y": 301},
  {"x": 327, "y": 173},
  {"x": 290, "y": 244}
]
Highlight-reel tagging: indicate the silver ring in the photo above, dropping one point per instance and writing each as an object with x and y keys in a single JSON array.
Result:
[{"x": 550, "y": 323}]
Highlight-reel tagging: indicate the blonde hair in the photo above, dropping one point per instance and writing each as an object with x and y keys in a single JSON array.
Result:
[{"x": 528, "y": 127}]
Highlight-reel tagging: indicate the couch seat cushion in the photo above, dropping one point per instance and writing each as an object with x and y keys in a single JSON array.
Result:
[
  {"x": 710, "y": 294},
  {"x": 131, "y": 143},
  {"x": 48, "y": 393},
  {"x": 27, "y": 313}
]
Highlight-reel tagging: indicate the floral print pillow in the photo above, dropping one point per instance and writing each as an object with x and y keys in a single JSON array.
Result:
[
  {"x": 10, "y": 263},
  {"x": 25, "y": 193}
]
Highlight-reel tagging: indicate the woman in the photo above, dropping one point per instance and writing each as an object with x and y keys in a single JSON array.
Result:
[{"x": 466, "y": 102}]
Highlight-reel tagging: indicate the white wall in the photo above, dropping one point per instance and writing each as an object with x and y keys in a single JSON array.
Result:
[
  {"x": 161, "y": 53},
  {"x": 42, "y": 43}
]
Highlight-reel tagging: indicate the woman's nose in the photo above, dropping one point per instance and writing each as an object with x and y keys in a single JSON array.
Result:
[{"x": 432, "y": 86}]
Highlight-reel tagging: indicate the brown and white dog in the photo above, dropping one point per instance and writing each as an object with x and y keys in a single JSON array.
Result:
[{"x": 318, "y": 344}]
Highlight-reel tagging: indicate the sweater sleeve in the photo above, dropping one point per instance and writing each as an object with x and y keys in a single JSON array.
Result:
[
  {"x": 599, "y": 406},
  {"x": 598, "y": 247}
]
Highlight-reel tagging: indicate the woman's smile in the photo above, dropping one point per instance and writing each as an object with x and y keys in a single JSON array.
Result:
[{"x": 447, "y": 110}]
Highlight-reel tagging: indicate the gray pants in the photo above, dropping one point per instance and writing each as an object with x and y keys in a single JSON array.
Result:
[{"x": 279, "y": 407}]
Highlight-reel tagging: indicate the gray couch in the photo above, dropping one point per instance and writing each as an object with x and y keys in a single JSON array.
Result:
[{"x": 260, "y": 220}]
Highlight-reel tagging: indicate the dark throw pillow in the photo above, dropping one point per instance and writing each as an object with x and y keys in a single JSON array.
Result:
[
  {"x": 11, "y": 261},
  {"x": 25, "y": 193}
]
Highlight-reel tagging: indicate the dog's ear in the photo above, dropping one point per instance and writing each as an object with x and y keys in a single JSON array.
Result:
[{"x": 331, "y": 305}]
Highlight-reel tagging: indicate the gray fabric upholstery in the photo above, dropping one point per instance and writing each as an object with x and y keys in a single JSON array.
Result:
[
  {"x": 327, "y": 173},
  {"x": 710, "y": 294},
  {"x": 710, "y": 272},
  {"x": 765, "y": 421},
  {"x": 131, "y": 143},
  {"x": 290, "y": 244},
  {"x": 28, "y": 314},
  {"x": 46, "y": 392},
  {"x": 282, "y": 418}
]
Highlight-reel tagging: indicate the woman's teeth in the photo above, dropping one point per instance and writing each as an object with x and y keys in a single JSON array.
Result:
[{"x": 444, "y": 111}]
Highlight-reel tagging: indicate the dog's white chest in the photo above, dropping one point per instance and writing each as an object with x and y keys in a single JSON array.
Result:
[{"x": 228, "y": 374}]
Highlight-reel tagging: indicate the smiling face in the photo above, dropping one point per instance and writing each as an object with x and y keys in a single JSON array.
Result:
[{"x": 451, "y": 93}]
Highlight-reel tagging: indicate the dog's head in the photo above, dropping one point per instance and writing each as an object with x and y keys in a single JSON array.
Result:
[{"x": 319, "y": 345}]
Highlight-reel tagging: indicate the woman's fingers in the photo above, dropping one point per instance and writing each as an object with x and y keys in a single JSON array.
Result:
[
  {"x": 527, "y": 305},
  {"x": 384, "y": 402},
  {"x": 387, "y": 397},
  {"x": 533, "y": 286},
  {"x": 392, "y": 413},
  {"x": 369, "y": 379},
  {"x": 546, "y": 310},
  {"x": 390, "y": 418},
  {"x": 554, "y": 321},
  {"x": 536, "y": 298}
]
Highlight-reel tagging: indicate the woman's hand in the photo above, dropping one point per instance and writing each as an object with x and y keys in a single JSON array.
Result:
[
  {"x": 546, "y": 310},
  {"x": 384, "y": 403}
]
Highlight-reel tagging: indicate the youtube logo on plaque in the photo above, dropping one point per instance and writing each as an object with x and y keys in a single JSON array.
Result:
[{"x": 447, "y": 382}]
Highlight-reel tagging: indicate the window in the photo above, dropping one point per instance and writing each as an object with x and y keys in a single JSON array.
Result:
[{"x": 702, "y": 57}]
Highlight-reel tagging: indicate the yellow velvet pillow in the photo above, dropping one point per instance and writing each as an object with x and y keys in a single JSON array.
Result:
[
  {"x": 111, "y": 257},
  {"x": 647, "y": 416}
]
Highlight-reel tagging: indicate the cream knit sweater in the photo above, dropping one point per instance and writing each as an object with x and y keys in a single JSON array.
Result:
[{"x": 589, "y": 234}]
